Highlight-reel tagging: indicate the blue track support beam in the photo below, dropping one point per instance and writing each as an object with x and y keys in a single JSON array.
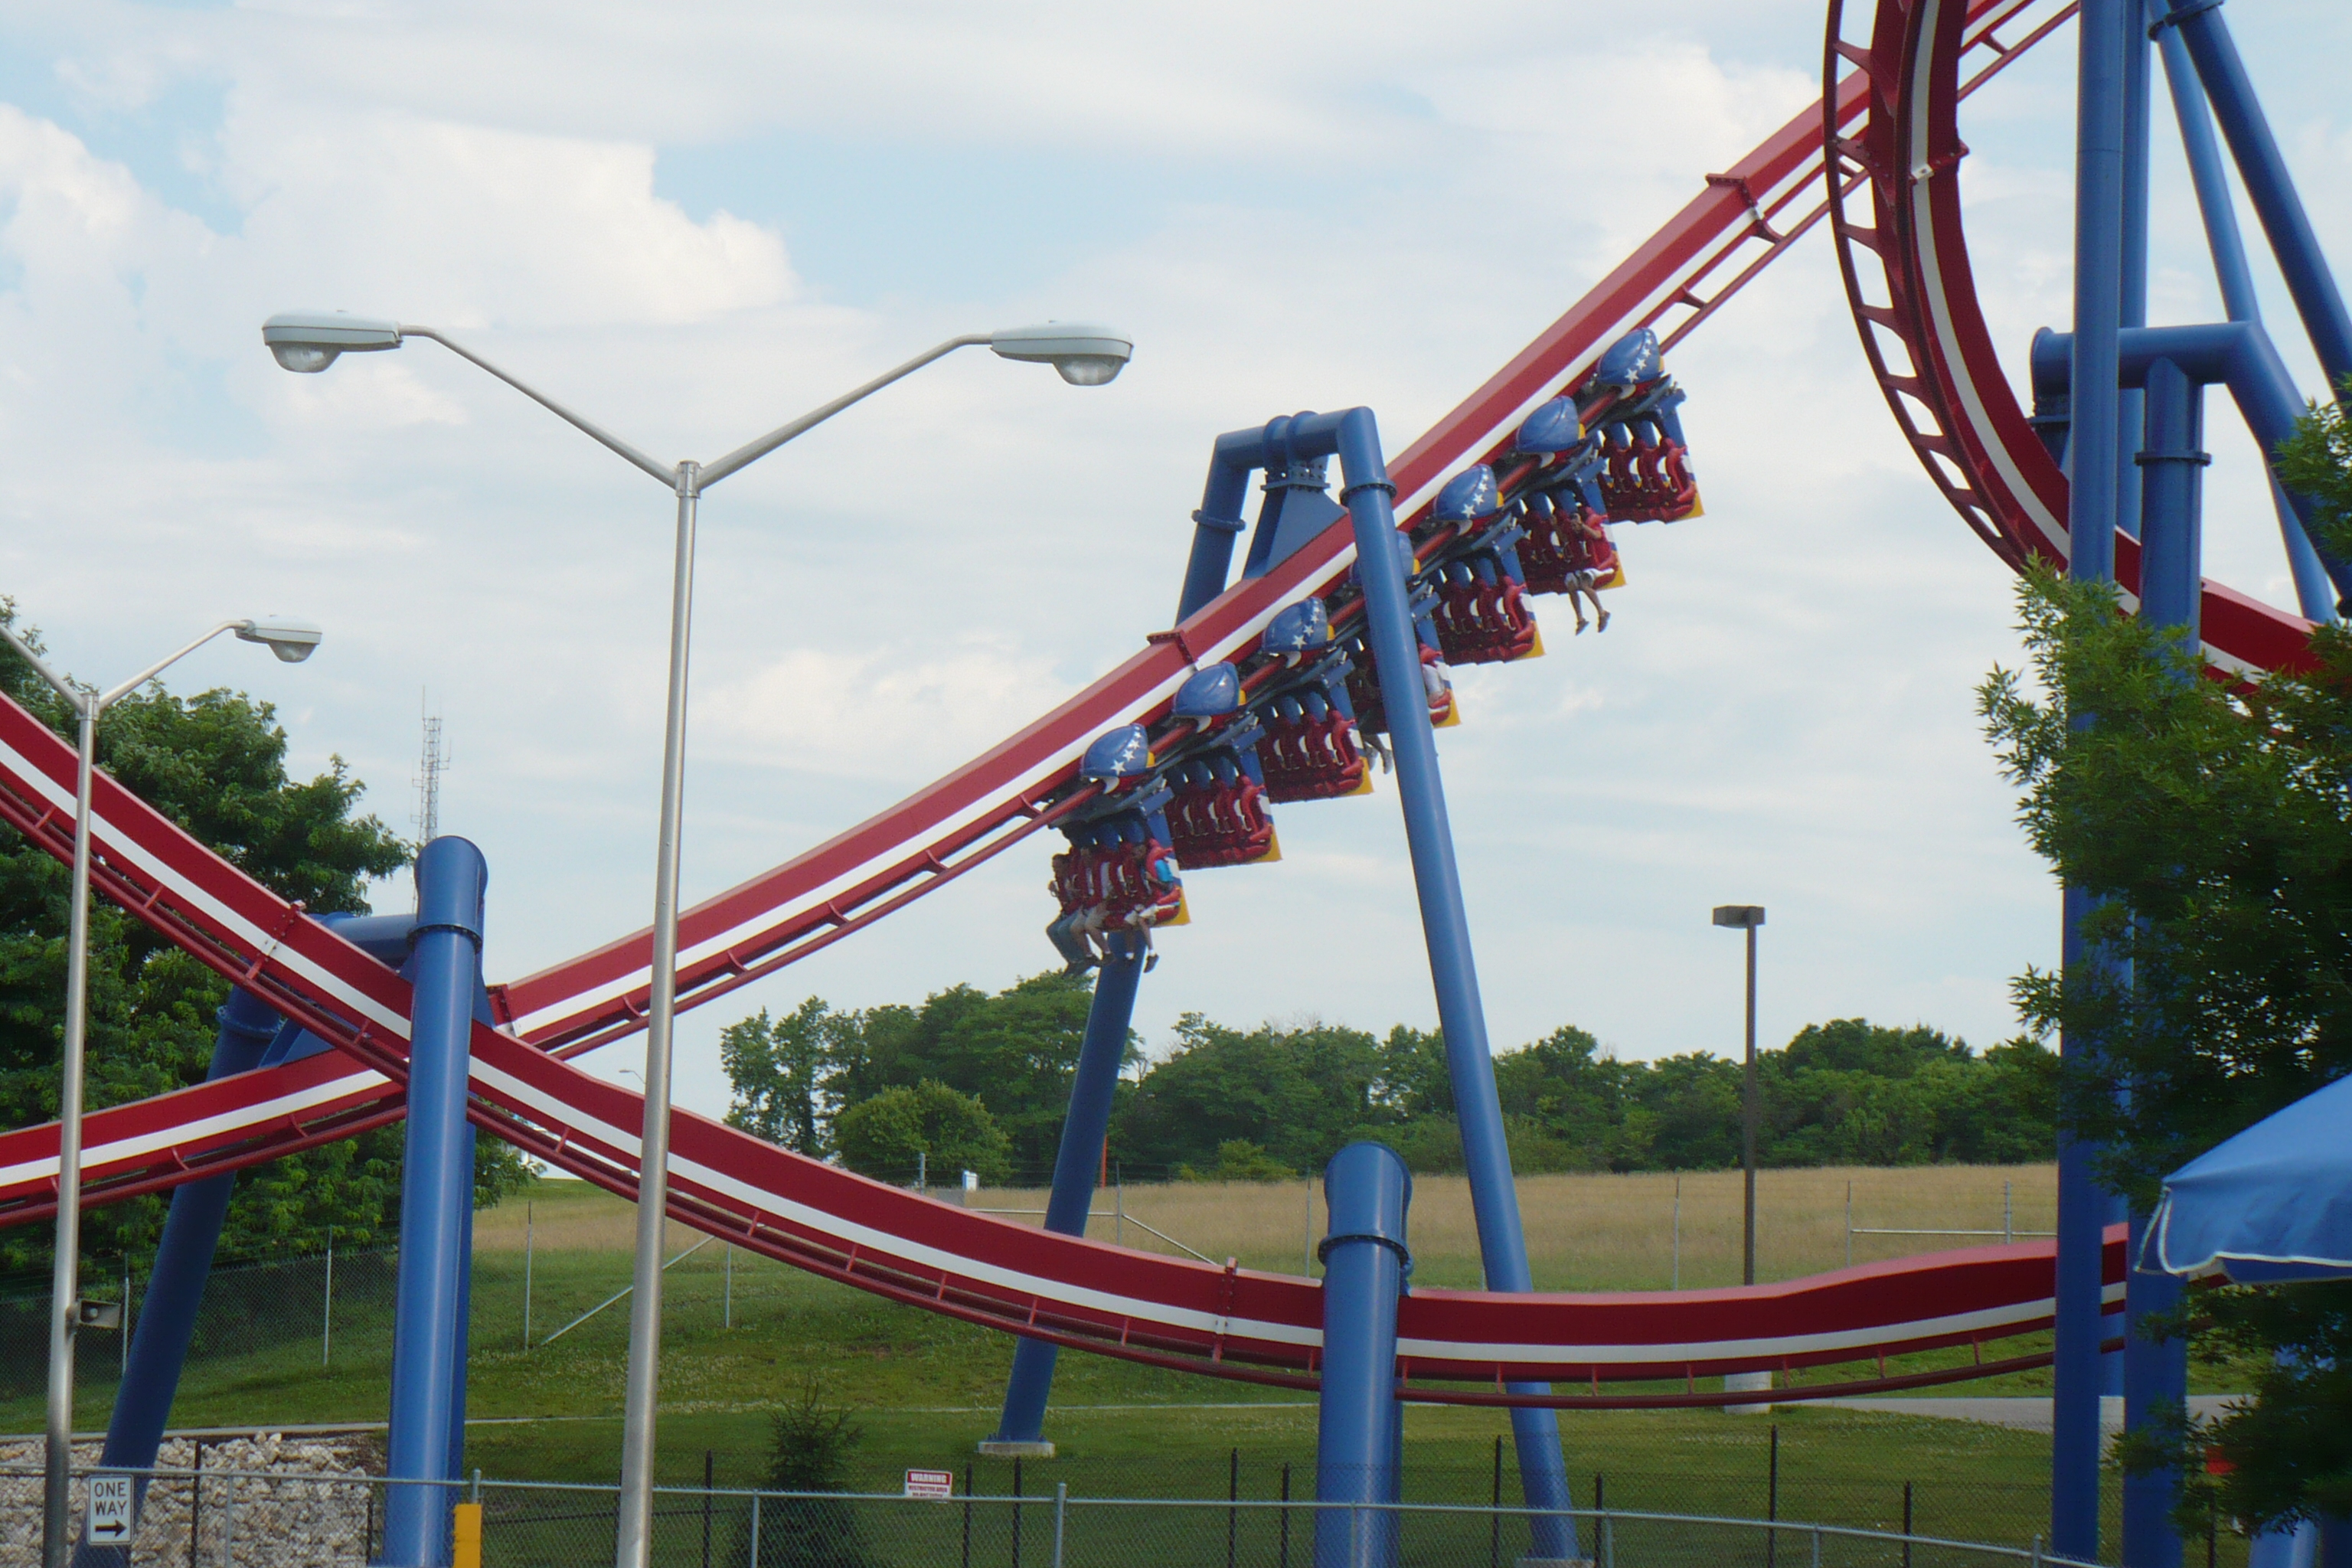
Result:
[
  {"x": 2236, "y": 355},
  {"x": 2094, "y": 450},
  {"x": 1353, "y": 437},
  {"x": 2268, "y": 184},
  {"x": 2131, "y": 282},
  {"x": 436, "y": 1200},
  {"x": 1446, "y": 927},
  {"x": 176, "y": 1281},
  {"x": 1357, "y": 1454},
  {"x": 1077, "y": 1166},
  {"x": 2313, "y": 595},
  {"x": 2155, "y": 1375}
]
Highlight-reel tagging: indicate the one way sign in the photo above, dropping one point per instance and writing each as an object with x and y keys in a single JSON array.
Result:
[{"x": 109, "y": 1524}]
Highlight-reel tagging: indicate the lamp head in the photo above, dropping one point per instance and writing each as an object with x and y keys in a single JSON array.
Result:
[
  {"x": 1086, "y": 356},
  {"x": 307, "y": 342},
  {"x": 1739, "y": 917},
  {"x": 292, "y": 641}
]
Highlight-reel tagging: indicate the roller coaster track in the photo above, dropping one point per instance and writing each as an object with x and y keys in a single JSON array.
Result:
[{"x": 1892, "y": 146}]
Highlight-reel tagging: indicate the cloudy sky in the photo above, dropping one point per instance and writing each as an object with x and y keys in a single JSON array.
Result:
[{"x": 694, "y": 221}]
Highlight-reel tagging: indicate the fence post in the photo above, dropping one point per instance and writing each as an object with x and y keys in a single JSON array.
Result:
[
  {"x": 326, "y": 1310},
  {"x": 755, "y": 1531},
  {"x": 1817, "y": 1546},
  {"x": 1061, "y": 1508},
  {"x": 967, "y": 1516},
  {"x": 727, "y": 1319},
  {"x": 1495, "y": 1519},
  {"x": 1016, "y": 1510},
  {"x": 1849, "y": 1224},
  {"x": 527, "y": 1239},
  {"x": 228, "y": 1521},
  {"x": 1678, "y": 1230},
  {"x": 1232, "y": 1496},
  {"x": 195, "y": 1500},
  {"x": 1907, "y": 1524},
  {"x": 1607, "y": 1542},
  {"x": 1772, "y": 1501},
  {"x": 1284, "y": 1560}
]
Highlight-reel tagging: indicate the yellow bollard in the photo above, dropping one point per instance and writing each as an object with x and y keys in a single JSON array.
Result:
[{"x": 470, "y": 1536}]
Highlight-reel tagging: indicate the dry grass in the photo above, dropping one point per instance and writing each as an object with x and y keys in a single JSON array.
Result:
[{"x": 1584, "y": 1232}]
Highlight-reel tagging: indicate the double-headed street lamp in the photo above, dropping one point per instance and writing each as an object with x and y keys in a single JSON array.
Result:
[
  {"x": 309, "y": 342},
  {"x": 291, "y": 641}
]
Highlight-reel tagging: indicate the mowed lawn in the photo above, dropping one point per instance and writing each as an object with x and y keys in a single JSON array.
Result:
[{"x": 744, "y": 1334}]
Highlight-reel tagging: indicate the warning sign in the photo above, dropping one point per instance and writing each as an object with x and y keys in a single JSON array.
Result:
[
  {"x": 109, "y": 1524},
  {"x": 937, "y": 1484}
]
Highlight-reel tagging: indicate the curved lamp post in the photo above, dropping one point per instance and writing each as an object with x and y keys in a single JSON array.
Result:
[
  {"x": 291, "y": 641},
  {"x": 308, "y": 343}
]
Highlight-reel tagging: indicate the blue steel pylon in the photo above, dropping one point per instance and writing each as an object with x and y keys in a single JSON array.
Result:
[{"x": 2136, "y": 466}]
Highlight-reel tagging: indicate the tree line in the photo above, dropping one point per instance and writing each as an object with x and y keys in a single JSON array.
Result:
[{"x": 972, "y": 1080}]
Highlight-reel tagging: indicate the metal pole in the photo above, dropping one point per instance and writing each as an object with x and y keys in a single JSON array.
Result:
[
  {"x": 2314, "y": 593},
  {"x": 326, "y": 1310},
  {"x": 1446, "y": 929},
  {"x": 633, "y": 1539},
  {"x": 1849, "y": 1224},
  {"x": 2093, "y": 444},
  {"x": 1368, "y": 1194},
  {"x": 1747, "y": 1132},
  {"x": 727, "y": 1318},
  {"x": 526, "y": 1275},
  {"x": 65, "y": 1284},
  {"x": 2275, "y": 201},
  {"x": 1678, "y": 1230},
  {"x": 1085, "y": 1129},
  {"x": 437, "y": 1201},
  {"x": 2155, "y": 1372},
  {"x": 2008, "y": 1216}
]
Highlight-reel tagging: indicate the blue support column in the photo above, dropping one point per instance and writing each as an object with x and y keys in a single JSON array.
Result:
[
  {"x": 1358, "y": 1455},
  {"x": 436, "y": 1200},
  {"x": 2313, "y": 595},
  {"x": 1446, "y": 927},
  {"x": 1021, "y": 1429},
  {"x": 2094, "y": 449},
  {"x": 2131, "y": 281},
  {"x": 2171, "y": 567},
  {"x": 2268, "y": 184}
]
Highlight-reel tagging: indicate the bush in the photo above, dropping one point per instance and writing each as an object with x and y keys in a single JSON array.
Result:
[
  {"x": 1239, "y": 1160},
  {"x": 882, "y": 1136},
  {"x": 812, "y": 1442}
]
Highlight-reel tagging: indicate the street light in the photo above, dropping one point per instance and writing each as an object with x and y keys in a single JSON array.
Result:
[
  {"x": 293, "y": 642},
  {"x": 1747, "y": 918},
  {"x": 308, "y": 343}
]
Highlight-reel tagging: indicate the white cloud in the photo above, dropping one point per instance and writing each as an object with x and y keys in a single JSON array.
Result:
[{"x": 1338, "y": 205}]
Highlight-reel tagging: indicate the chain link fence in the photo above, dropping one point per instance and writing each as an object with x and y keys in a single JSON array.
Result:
[
  {"x": 300, "y": 1308},
  {"x": 249, "y": 1519}
]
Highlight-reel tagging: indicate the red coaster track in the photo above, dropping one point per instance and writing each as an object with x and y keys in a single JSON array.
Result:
[{"x": 1892, "y": 122}]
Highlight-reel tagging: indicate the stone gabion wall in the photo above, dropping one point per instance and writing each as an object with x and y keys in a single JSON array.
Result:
[{"x": 312, "y": 1510}]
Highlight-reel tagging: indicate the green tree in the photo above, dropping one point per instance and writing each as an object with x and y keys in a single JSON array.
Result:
[
  {"x": 215, "y": 764},
  {"x": 777, "y": 1068},
  {"x": 882, "y": 1137},
  {"x": 2214, "y": 823},
  {"x": 1299, "y": 1094},
  {"x": 1016, "y": 1052}
]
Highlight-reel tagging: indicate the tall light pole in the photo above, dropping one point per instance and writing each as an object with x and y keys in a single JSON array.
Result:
[
  {"x": 291, "y": 641},
  {"x": 309, "y": 343},
  {"x": 1747, "y": 918}
]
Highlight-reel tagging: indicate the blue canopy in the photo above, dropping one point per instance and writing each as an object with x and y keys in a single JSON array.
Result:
[{"x": 2274, "y": 1203}]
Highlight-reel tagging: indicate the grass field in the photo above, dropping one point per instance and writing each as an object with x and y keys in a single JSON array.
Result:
[{"x": 741, "y": 1338}]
